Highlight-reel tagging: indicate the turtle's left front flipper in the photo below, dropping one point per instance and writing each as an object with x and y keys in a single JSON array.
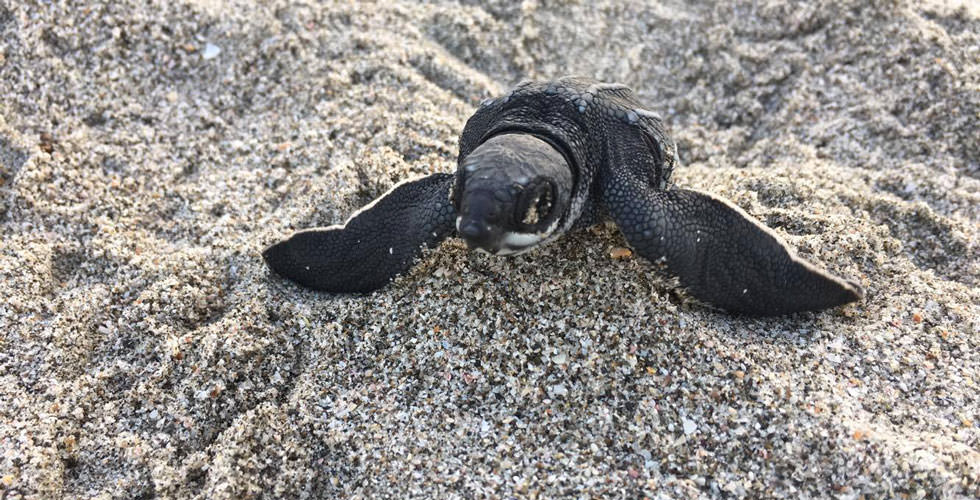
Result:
[
  {"x": 722, "y": 255},
  {"x": 377, "y": 243}
]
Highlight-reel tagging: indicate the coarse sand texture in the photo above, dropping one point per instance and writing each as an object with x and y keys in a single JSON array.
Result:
[{"x": 150, "y": 150}]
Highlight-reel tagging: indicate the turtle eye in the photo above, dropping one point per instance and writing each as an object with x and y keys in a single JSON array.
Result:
[{"x": 538, "y": 207}]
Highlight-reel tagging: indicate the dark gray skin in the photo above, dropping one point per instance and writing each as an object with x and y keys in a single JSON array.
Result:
[{"x": 553, "y": 156}]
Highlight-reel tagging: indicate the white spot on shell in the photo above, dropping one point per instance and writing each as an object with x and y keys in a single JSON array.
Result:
[
  {"x": 607, "y": 86},
  {"x": 648, "y": 114}
]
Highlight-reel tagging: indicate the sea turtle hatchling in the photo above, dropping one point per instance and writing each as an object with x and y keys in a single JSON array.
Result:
[{"x": 553, "y": 156}]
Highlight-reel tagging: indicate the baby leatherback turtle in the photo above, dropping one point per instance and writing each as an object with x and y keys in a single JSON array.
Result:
[{"x": 560, "y": 155}]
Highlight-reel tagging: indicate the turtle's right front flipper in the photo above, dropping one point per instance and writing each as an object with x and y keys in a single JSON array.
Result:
[
  {"x": 722, "y": 255},
  {"x": 377, "y": 243}
]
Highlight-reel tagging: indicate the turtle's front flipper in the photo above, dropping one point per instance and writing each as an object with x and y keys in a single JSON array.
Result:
[
  {"x": 722, "y": 255},
  {"x": 378, "y": 242}
]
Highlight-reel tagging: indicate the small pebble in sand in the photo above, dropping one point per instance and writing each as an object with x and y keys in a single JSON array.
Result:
[
  {"x": 620, "y": 253},
  {"x": 689, "y": 426},
  {"x": 210, "y": 51}
]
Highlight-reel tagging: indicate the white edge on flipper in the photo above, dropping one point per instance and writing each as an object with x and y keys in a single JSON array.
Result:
[{"x": 365, "y": 207}]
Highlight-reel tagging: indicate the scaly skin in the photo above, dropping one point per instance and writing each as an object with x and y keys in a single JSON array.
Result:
[
  {"x": 377, "y": 243},
  {"x": 575, "y": 115},
  {"x": 621, "y": 160}
]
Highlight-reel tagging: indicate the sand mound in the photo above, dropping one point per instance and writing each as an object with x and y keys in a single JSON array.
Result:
[{"x": 149, "y": 152}]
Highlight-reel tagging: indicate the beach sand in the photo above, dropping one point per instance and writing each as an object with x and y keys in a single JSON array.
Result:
[{"x": 151, "y": 150}]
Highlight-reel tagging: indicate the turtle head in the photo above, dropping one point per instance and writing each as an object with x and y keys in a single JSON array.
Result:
[{"x": 511, "y": 193}]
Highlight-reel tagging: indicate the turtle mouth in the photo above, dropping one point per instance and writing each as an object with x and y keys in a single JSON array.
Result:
[
  {"x": 502, "y": 243},
  {"x": 518, "y": 243},
  {"x": 479, "y": 235}
]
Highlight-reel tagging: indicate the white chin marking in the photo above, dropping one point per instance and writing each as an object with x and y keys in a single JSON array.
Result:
[
  {"x": 521, "y": 240},
  {"x": 518, "y": 243}
]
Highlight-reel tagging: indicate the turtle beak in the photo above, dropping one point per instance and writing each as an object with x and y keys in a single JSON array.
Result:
[
  {"x": 478, "y": 224},
  {"x": 479, "y": 235}
]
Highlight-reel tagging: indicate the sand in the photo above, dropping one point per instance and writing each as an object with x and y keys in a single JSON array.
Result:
[{"x": 151, "y": 150}]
